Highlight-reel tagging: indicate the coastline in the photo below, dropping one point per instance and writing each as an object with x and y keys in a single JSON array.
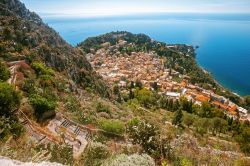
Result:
[
  {"x": 212, "y": 46},
  {"x": 219, "y": 84}
]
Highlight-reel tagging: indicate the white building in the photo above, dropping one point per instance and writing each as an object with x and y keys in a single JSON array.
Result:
[
  {"x": 173, "y": 94},
  {"x": 242, "y": 110}
]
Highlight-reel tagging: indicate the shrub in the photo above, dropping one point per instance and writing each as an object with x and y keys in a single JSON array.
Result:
[
  {"x": 243, "y": 139},
  {"x": 148, "y": 136},
  {"x": 61, "y": 154},
  {"x": 7, "y": 33},
  {"x": 30, "y": 57},
  {"x": 134, "y": 122},
  {"x": 201, "y": 125},
  {"x": 10, "y": 126},
  {"x": 16, "y": 128},
  {"x": 112, "y": 127},
  {"x": 188, "y": 120},
  {"x": 9, "y": 99},
  {"x": 29, "y": 86},
  {"x": 102, "y": 108},
  {"x": 144, "y": 134},
  {"x": 4, "y": 72},
  {"x": 145, "y": 97},
  {"x": 72, "y": 104},
  {"x": 186, "y": 162},
  {"x": 46, "y": 80},
  {"x": 242, "y": 162},
  {"x": 131, "y": 160},
  {"x": 218, "y": 125},
  {"x": 84, "y": 118},
  {"x": 96, "y": 154},
  {"x": 5, "y": 127},
  {"x": 50, "y": 94},
  {"x": 41, "y": 69},
  {"x": 44, "y": 108}
]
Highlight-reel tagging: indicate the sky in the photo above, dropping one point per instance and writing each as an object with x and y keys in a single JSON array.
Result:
[{"x": 88, "y": 8}]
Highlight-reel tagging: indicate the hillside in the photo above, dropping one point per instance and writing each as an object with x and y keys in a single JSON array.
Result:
[
  {"x": 25, "y": 37},
  {"x": 155, "y": 75},
  {"x": 116, "y": 99},
  {"x": 40, "y": 76}
]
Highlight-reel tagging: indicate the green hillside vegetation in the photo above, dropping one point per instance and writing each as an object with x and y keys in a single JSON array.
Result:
[
  {"x": 4, "y": 72},
  {"x": 9, "y": 102},
  {"x": 138, "y": 128},
  {"x": 26, "y": 37}
]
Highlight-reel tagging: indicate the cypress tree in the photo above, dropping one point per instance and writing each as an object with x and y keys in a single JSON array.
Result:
[{"x": 177, "y": 118}]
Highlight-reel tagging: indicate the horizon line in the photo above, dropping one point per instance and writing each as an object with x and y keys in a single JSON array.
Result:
[{"x": 88, "y": 15}]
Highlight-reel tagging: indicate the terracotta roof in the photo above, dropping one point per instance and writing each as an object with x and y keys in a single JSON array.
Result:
[
  {"x": 220, "y": 105},
  {"x": 202, "y": 98},
  {"x": 232, "y": 112},
  {"x": 183, "y": 83},
  {"x": 232, "y": 109}
]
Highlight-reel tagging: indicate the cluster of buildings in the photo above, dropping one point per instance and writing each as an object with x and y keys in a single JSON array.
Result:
[
  {"x": 199, "y": 95},
  {"x": 149, "y": 68},
  {"x": 137, "y": 66}
]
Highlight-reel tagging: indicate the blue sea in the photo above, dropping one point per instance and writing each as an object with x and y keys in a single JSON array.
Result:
[{"x": 223, "y": 39}]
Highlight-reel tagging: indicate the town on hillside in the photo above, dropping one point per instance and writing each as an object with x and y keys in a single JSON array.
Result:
[{"x": 120, "y": 68}]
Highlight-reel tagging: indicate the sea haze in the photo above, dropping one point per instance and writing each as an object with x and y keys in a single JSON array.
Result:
[{"x": 223, "y": 39}]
